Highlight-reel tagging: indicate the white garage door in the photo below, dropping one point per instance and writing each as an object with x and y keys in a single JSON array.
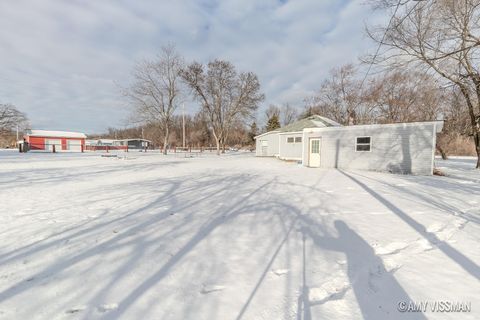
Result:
[
  {"x": 74, "y": 145},
  {"x": 49, "y": 143}
]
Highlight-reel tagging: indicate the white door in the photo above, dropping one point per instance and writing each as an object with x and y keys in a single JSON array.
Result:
[
  {"x": 264, "y": 148},
  {"x": 314, "y": 155}
]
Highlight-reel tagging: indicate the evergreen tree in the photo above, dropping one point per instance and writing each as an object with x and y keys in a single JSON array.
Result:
[
  {"x": 273, "y": 123},
  {"x": 253, "y": 132}
]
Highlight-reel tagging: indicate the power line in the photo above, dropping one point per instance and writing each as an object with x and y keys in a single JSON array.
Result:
[
  {"x": 385, "y": 34},
  {"x": 380, "y": 44},
  {"x": 409, "y": 12}
]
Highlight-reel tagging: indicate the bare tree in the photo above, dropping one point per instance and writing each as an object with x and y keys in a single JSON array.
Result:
[
  {"x": 10, "y": 118},
  {"x": 443, "y": 38},
  {"x": 339, "y": 97},
  {"x": 288, "y": 114},
  {"x": 272, "y": 111},
  {"x": 156, "y": 90},
  {"x": 225, "y": 95},
  {"x": 403, "y": 96},
  {"x": 277, "y": 116},
  {"x": 272, "y": 118},
  {"x": 455, "y": 137}
]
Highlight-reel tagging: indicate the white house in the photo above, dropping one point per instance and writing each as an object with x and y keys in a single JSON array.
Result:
[
  {"x": 407, "y": 148},
  {"x": 266, "y": 145},
  {"x": 290, "y": 137},
  {"x": 286, "y": 143},
  {"x": 112, "y": 144}
]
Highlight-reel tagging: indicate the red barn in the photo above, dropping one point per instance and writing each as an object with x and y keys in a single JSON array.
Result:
[{"x": 55, "y": 141}]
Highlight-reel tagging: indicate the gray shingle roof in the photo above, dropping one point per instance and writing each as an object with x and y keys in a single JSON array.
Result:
[{"x": 314, "y": 121}]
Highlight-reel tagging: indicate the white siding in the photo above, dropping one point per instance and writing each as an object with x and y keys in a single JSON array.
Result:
[
  {"x": 291, "y": 151},
  {"x": 271, "y": 141},
  {"x": 403, "y": 148}
]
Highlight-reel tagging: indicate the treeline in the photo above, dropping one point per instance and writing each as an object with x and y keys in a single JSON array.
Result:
[
  {"x": 395, "y": 96},
  {"x": 197, "y": 133}
]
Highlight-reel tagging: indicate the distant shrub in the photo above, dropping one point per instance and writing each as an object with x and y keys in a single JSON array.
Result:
[{"x": 457, "y": 145}]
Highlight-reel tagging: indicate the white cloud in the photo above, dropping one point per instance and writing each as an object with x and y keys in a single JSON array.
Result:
[{"x": 59, "y": 60}]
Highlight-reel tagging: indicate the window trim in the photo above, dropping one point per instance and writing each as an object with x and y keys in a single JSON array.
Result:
[
  {"x": 363, "y": 144},
  {"x": 294, "y": 139}
]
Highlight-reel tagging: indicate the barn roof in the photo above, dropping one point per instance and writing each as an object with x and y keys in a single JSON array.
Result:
[
  {"x": 55, "y": 134},
  {"x": 314, "y": 121}
]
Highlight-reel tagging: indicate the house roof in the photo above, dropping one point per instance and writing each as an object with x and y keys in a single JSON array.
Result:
[
  {"x": 266, "y": 133},
  {"x": 55, "y": 134},
  {"x": 438, "y": 126},
  {"x": 134, "y": 139},
  {"x": 112, "y": 141},
  {"x": 314, "y": 121}
]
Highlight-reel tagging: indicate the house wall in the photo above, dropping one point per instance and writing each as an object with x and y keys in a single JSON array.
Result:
[
  {"x": 290, "y": 151},
  {"x": 400, "y": 148},
  {"x": 137, "y": 144},
  {"x": 271, "y": 150}
]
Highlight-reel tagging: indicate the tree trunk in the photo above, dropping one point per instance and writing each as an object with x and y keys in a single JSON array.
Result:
[
  {"x": 165, "y": 140},
  {"x": 442, "y": 152},
  {"x": 217, "y": 141},
  {"x": 352, "y": 117},
  {"x": 475, "y": 120},
  {"x": 476, "y": 138},
  {"x": 223, "y": 145}
]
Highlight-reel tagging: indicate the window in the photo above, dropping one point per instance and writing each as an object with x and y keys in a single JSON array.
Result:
[
  {"x": 290, "y": 140},
  {"x": 315, "y": 146},
  {"x": 298, "y": 139},
  {"x": 363, "y": 144}
]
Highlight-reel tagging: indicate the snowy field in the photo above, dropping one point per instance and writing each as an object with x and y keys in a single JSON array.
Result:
[{"x": 232, "y": 237}]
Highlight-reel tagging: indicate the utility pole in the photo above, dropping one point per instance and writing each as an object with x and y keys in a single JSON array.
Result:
[
  {"x": 17, "y": 135},
  {"x": 183, "y": 123}
]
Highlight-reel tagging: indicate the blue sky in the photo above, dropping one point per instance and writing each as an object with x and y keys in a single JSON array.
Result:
[{"x": 62, "y": 62}]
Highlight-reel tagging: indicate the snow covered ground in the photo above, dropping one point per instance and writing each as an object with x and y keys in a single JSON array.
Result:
[{"x": 232, "y": 237}]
